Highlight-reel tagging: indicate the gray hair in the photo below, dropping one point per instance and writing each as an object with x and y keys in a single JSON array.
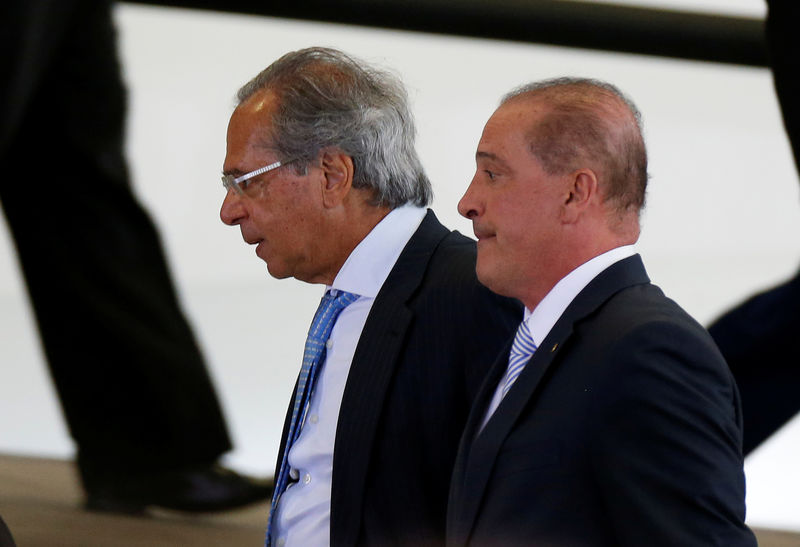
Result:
[
  {"x": 329, "y": 99},
  {"x": 591, "y": 121}
]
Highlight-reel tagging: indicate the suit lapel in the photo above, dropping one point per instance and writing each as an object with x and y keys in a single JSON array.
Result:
[
  {"x": 463, "y": 501},
  {"x": 477, "y": 454},
  {"x": 374, "y": 362}
]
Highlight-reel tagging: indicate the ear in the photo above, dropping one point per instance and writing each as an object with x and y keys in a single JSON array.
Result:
[
  {"x": 582, "y": 191},
  {"x": 337, "y": 170}
]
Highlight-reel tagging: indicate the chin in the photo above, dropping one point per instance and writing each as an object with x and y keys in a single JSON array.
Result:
[
  {"x": 494, "y": 280},
  {"x": 276, "y": 271},
  {"x": 486, "y": 275}
]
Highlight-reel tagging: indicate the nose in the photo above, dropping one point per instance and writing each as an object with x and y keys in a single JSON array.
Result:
[
  {"x": 232, "y": 211},
  {"x": 468, "y": 205}
]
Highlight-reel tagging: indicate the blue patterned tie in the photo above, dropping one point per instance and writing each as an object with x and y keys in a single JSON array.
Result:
[
  {"x": 521, "y": 351},
  {"x": 313, "y": 356}
]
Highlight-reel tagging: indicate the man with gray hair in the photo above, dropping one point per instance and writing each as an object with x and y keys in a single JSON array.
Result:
[
  {"x": 611, "y": 418},
  {"x": 323, "y": 177}
]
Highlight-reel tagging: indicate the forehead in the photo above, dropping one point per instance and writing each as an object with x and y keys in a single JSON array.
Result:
[
  {"x": 506, "y": 132},
  {"x": 255, "y": 113},
  {"x": 249, "y": 130}
]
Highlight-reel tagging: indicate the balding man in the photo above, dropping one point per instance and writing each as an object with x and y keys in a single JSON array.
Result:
[{"x": 612, "y": 418}]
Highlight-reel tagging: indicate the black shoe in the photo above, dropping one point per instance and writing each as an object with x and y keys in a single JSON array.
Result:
[{"x": 197, "y": 489}]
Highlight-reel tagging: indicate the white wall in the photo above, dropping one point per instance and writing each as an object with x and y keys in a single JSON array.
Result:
[{"x": 722, "y": 217}]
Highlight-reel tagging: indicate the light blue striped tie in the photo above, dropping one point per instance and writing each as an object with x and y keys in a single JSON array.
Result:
[
  {"x": 521, "y": 351},
  {"x": 329, "y": 309}
]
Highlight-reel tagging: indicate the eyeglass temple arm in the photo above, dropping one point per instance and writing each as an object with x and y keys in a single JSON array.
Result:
[{"x": 257, "y": 172}]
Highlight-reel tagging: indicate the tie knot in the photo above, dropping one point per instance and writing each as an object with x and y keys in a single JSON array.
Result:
[
  {"x": 332, "y": 303},
  {"x": 523, "y": 341},
  {"x": 340, "y": 299},
  {"x": 522, "y": 349}
]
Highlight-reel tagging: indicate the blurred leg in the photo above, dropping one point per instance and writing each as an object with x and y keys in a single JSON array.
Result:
[{"x": 133, "y": 386}]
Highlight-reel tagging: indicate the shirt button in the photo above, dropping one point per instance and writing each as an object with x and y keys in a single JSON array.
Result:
[
  {"x": 281, "y": 542},
  {"x": 329, "y": 343},
  {"x": 306, "y": 478},
  {"x": 294, "y": 473},
  {"x": 313, "y": 418}
]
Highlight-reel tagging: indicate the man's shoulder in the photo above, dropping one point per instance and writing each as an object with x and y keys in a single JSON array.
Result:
[
  {"x": 451, "y": 278},
  {"x": 452, "y": 262},
  {"x": 458, "y": 248},
  {"x": 623, "y": 297},
  {"x": 449, "y": 257},
  {"x": 647, "y": 303},
  {"x": 431, "y": 232},
  {"x": 641, "y": 320},
  {"x": 440, "y": 264}
]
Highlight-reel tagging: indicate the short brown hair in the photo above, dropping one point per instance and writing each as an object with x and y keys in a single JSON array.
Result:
[{"x": 586, "y": 122}]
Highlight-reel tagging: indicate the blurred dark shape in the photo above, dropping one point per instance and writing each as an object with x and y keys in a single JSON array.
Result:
[
  {"x": 131, "y": 380},
  {"x": 759, "y": 338},
  {"x": 5, "y": 535},
  {"x": 591, "y": 25}
]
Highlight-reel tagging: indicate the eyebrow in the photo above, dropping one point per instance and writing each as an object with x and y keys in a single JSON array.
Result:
[{"x": 490, "y": 156}]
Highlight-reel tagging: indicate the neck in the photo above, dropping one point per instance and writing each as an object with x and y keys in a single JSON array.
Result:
[
  {"x": 561, "y": 266},
  {"x": 346, "y": 232}
]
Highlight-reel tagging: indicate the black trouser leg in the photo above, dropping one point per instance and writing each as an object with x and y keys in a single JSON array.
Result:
[{"x": 132, "y": 383}]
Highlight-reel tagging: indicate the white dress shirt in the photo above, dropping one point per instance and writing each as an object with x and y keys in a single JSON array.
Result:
[
  {"x": 542, "y": 318},
  {"x": 303, "y": 514}
]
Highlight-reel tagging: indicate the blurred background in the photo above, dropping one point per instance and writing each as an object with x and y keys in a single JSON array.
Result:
[{"x": 721, "y": 222}]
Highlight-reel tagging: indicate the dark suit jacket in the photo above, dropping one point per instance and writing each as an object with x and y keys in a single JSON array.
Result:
[
  {"x": 623, "y": 429},
  {"x": 431, "y": 336}
]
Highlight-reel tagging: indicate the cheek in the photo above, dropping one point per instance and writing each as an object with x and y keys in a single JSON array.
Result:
[
  {"x": 493, "y": 252},
  {"x": 265, "y": 221},
  {"x": 274, "y": 212},
  {"x": 513, "y": 223},
  {"x": 295, "y": 226},
  {"x": 514, "y": 242}
]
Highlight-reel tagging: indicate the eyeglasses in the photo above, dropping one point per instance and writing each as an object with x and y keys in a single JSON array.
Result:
[{"x": 235, "y": 183}]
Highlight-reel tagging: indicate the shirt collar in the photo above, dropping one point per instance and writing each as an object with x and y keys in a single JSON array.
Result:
[
  {"x": 368, "y": 266},
  {"x": 553, "y": 305}
]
